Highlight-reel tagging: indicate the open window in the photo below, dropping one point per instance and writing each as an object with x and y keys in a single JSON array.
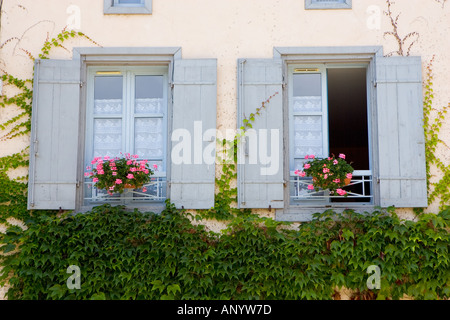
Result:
[
  {"x": 349, "y": 100},
  {"x": 328, "y": 115}
]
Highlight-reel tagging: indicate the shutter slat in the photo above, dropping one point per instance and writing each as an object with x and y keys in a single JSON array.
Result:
[
  {"x": 258, "y": 185},
  {"x": 54, "y": 135},
  {"x": 401, "y": 141},
  {"x": 194, "y": 109}
]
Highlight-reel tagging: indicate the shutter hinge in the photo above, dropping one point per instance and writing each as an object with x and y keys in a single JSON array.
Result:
[
  {"x": 81, "y": 84},
  {"x": 171, "y": 85},
  {"x": 78, "y": 184}
]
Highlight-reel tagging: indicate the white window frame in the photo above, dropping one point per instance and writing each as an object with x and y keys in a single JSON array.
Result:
[
  {"x": 324, "y": 4},
  {"x": 330, "y": 57},
  {"x": 361, "y": 176},
  {"x": 114, "y": 58},
  {"x": 114, "y": 7},
  {"x": 128, "y": 121}
]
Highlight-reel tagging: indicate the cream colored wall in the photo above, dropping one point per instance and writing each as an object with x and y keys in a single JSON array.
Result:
[{"x": 226, "y": 30}]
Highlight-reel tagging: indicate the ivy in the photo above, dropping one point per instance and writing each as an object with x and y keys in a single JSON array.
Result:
[
  {"x": 126, "y": 254},
  {"x": 432, "y": 126}
]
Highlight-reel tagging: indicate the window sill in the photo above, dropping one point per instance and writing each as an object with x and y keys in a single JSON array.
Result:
[
  {"x": 108, "y": 8},
  {"x": 154, "y": 207},
  {"x": 305, "y": 213},
  {"x": 314, "y": 5}
]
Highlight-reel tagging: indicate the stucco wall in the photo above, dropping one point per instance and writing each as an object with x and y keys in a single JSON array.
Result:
[{"x": 226, "y": 30}]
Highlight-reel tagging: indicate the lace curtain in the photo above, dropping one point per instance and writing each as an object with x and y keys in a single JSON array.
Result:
[{"x": 148, "y": 132}]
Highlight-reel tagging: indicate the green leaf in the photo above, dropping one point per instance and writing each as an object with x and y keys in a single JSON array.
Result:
[{"x": 98, "y": 296}]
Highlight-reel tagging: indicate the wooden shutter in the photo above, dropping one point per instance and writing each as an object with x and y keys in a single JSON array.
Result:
[
  {"x": 192, "y": 184},
  {"x": 401, "y": 141},
  {"x": 54, "y": 135},
  {"x": 258, "y": 79}
]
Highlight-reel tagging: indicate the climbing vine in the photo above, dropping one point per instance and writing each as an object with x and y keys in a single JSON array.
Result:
[
  {"x": 226, "y": 197},
  {"x": 432, "y": 127},
  {"x": 411, "y": 37},
  {"x": 126, "y": 254}
]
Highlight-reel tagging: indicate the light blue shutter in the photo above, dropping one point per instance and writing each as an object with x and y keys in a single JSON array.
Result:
[
  {"x": 401, "y": 141},
  {"x": 192, "y": 183},
  {"x": 54, "y": 135},
  {"x": 258, "y": 185}
]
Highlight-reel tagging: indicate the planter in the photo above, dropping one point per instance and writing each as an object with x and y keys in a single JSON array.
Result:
[
  {"x": 346, "y": 182},
  {"x": 130, "y": 186}
]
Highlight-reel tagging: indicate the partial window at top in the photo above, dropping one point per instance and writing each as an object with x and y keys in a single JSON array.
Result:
[{"x": 328, "y": 4}]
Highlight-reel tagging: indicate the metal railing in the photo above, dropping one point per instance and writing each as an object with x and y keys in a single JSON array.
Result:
[
  {"x": 155, "y": 192},
  {"x": 359, "y": 188}
]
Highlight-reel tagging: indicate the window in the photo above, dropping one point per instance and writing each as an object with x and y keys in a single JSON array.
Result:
[
  {"x": 110, "y": 100},
  {"x": 349, "y": 100},
  {"x": 127, "y": 6},
  {"x": 328, "y": 115},
  {"x": 127, "y": 113},
  {"x": 328, "y": 4}
]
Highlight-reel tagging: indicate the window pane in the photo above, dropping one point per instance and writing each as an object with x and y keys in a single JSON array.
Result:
[
  {"x": 149, "y": 94},
  {"x": 307, "y": 136},
  {"x": 307, "y": 92},
  {"x": 108, "y": 93},
  {"x": 107, "y": 137},
  {"x": 149, "y": 138}
]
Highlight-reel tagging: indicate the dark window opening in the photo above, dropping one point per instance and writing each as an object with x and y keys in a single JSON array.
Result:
[{"x": 347, "y": 121}]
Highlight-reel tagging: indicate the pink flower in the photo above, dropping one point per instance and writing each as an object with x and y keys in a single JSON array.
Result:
[
  {"x": 325, "y": 176},
  {"x": 106, "y": 158},
  {"x": 341, "y": 192},
  {"x": 135, "y": 156},
  {"x": 95, "y": 180},
  {"x": 118, "y": 181},
  {"x": 133, "y": 169},
  {"x": 88, "y": 168},
  {"x": 114, "y": 173},
  {"x": 342, "y": 156},
  {"x": 101, "y": 172},
  {"x": 349, "y": 176},
  {"x": 307, "y": 166},
  {"x": 130, "y": 176},
  {"x": 111, "y": 188},
  {"x": 312, "y": 156},
  {"x": 335, "y": 161},
  {"x": 325, "y": 170},
  {"x": 146, "y": 171},
  {"x": 306, "y": 157},
  {"x": 337, "y": 180},
  {"x": 310, "y": 187},
  {"x": 144, "y": 189},
  {"x": 129, "y": 162},
  {"x": 87, "y": 174},
  {"x": 113, "y": 168},
  {"x": 302, "y": 173},
  {"x": 155, "y": 166},
  {"x": 296, "y": 172}
]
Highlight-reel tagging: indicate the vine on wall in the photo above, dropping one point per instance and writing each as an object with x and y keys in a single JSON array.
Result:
[{"x": 148, "y": 256}]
